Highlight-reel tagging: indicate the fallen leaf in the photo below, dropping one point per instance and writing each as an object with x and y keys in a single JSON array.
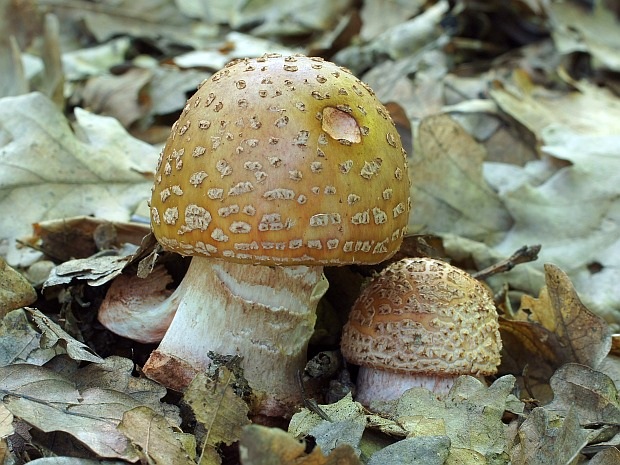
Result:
[
  {"x": 118, "y": 96},
  {"x": 155, "y": 441},
  {"x": 346, "y": 425},
  {"x": 424, "y": 450},
  {"x": 609, "y": 456},
  {"x": 448, "y": 190},
  {"x": 15, "y": 290},
  {"x": 6, "y": 422},
  {"x": 470, "y": 415},
  {"x": 94, "y": 168},
  {"x": 591, "y": 29},
  {"x": 550, "y": 331},
  {"x": 45, "y": 400},
  {"x": 53, "y": 336},
  {"x": 116, "y": 374},
  {"x": 540, "y": 443},
  {"x": 260, "y": 445},
  {"x": 217, "y": 408},
  {"x": 20, "y": 343},
  {"x": 592, "y": 395}
]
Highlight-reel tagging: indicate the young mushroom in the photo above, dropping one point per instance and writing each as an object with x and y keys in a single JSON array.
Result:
[
  {"x": 420, "y": 322},
  {"x": 277, "y": 167}
]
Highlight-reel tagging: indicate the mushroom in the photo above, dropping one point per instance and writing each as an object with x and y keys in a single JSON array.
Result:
[
  {"x": 420, "y": 323},
  {"x": 277, "y": 167}
]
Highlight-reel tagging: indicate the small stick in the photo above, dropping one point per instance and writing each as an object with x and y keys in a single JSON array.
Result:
[{"x": 523, "y": 255}]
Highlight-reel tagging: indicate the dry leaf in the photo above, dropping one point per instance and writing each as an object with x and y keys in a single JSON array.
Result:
[
  {"x": 156, "y": 442},
  {"x": 346, "y": 425},
  {"x": 539, "y": 443},
  {"x": 6, "y": 422},
  {"x": 592, "y": 395},
  {"x": 471, "y": 414},
  {"x": 550, "y": 331},
  {"x": 448, "y": 189},
  {"x": 15, "y": 290},
  {"x": 94, "y": 168},
  {"x": 260, "y": 445},
  {"x": 20, "y": 343},
  {"x": 50, "y": 402},
  {"x": 424, "y": 450},
  {"x": 217, "y": 407},
  {"x": 609, "y": 456},
  {"x": 53, "y": 336},
  {"x": 116, "y": 374}
]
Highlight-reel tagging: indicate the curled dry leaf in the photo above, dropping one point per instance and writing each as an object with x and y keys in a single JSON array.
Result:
[
  {"x": 20, "y": 343},
  {"x": 15, "y": 290},
  {"x": 550, "y": 331},
  {"x": 53, "y": 336}
]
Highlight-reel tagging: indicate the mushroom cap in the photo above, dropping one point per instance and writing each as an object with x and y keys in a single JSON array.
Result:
[
  {"x": 421, "y": 315},
  {"x": 282, "y": 160}
]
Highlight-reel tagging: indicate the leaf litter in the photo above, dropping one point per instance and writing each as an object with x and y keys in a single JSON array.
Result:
[{"x": 510, "y": 145}]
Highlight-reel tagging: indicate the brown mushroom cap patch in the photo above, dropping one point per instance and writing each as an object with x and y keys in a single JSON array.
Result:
[
  {"x": 282, "y": 160},
  {"x": 424, "y": 316}
]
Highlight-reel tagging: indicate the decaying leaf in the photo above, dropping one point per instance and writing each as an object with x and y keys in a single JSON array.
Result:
[
  {"x": 115, "y": 374},
  {"x": 260, "y": 445},
  {"x": 448, "y": 188},
  {"x": 347, "y": 421},
  {"x": 15, "y": 290},
  {"x": 423, "y": 450},
  {"x": 53, "y": 336},
  {"x": 95, "y": 168},
  {"x": 541, "y": 443},
  {"x": 20, "y": 343},
  {"x": 470, "y": 415},
  {"x": 6, "y": 422},
  {"x": 50, "y": 402},
  {"x": 592, "y": 395},
  {"x": 218, "y": 408},
  {"x": 550, "y": 331},
  {"x": 155, "y": 441}
]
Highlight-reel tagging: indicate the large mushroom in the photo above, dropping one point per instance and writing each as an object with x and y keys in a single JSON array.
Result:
[
  {"x": 420, "y": 323},
  {"x": 276, "y": 167}
]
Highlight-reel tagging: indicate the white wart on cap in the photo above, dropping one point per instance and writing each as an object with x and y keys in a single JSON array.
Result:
[{"x": 421, "y": 322}]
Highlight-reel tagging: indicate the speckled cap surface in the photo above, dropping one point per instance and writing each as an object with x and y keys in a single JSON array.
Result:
[
  {"x": 282, "y": 160},
  {"x": 424, "y": 316}
]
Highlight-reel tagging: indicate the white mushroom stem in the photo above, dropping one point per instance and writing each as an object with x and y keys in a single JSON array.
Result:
[
  {"x": 377, "y": 385},
  {"x": 264, "y": 314}
]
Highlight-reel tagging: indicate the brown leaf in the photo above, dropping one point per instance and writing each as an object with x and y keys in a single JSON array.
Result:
[
  {"x": 15, "y": 290},
  {"x": 260, "y": 445},
  {"x": 551, "y": 331},
  {"x": 217, "y": 407},
  {"x": 157, "y": 442},
  {"x": 540, "y": 443},
  {"x": 448, "y": 188},
  {"x": 593, "y": 395}
]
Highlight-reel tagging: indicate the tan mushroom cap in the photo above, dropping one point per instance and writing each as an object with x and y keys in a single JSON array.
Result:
[
  {"x": 424, "y": 316},
  {"x": 282, "y": 160}
]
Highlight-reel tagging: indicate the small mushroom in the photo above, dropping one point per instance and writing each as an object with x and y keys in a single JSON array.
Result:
[
  {"x": 420, "y": 322},
  {"x": 277, "y": 167}
]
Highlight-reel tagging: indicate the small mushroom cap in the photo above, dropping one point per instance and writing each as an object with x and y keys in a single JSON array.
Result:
[
  {"x": 282, "y": 160},
  {"x": 424, "y": 316}
]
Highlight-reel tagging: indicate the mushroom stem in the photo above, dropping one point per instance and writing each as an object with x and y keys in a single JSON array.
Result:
[
  {"x": 264, "y": 314},
  {"x": 379, "y": 385}
]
